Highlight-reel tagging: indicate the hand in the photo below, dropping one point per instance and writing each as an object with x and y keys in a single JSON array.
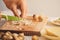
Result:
[{"x": 17, "y": 4}]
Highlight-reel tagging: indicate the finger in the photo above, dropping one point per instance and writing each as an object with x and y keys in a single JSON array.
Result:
[
  {"x": 23, "y": 8},
  {"x": 0, "y": 16},
  {"x": 14, "y": 9}
]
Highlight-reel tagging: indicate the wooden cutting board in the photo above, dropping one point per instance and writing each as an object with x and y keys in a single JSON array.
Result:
[{"x": 25, "y": 28}]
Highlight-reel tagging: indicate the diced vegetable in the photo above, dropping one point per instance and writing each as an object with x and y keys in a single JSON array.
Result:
[{"x": 11, "y": 18}]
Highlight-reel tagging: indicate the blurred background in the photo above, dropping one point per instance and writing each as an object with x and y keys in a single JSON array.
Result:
[{"x": 46, "y": 7}]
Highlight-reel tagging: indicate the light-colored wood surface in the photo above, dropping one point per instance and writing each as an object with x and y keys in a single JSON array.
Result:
[{"x": 35, "y": 26}]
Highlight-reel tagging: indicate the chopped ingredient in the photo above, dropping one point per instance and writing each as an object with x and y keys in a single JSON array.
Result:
[{"x": 11, "y": 18}]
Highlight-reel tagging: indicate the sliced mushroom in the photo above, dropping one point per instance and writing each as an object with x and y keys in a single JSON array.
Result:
[
  {"x": 21, "y": 36},
  {"x": 15, "y": 36},
  {"x": 8, "y": 36}
]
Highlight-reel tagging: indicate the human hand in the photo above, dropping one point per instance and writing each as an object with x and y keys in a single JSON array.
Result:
[{"x": 17, "y": 4}]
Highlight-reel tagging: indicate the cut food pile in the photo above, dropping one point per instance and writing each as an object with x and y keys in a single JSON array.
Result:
[
  {"x": 10, "y": 36},
  {"x": 15, "y": 36}
]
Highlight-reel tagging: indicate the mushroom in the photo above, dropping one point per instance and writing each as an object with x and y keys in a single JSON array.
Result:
[{"x": 37, "y": 18}]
